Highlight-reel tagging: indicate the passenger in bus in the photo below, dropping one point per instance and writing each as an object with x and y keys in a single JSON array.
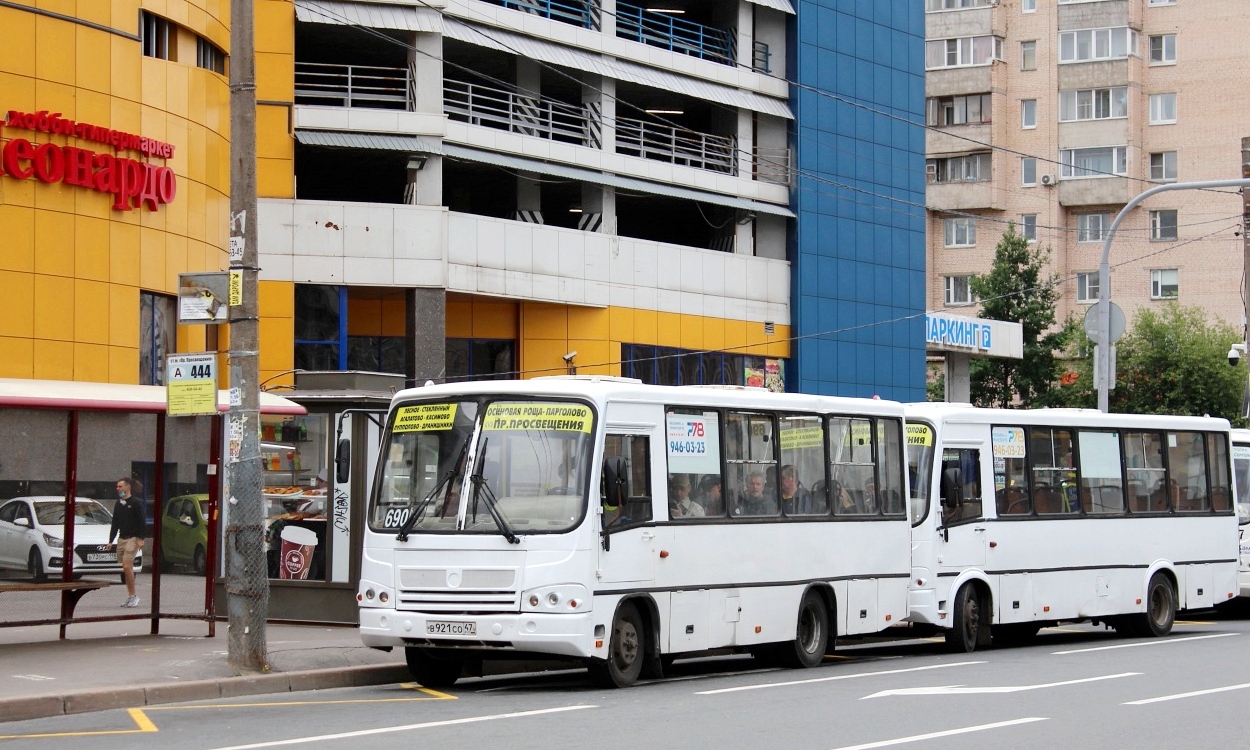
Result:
[
  {"x": 680, "y": 504},
  {"x": 709, "y": 495},
  {"x": 843, "y": 503},
  {"x": 753, "y": 501},
  {"x": 795, "y": 499}
]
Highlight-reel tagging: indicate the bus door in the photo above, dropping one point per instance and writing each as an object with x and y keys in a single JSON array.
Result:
[
  {"x": 627, "y": 545},
  {"x": 962, "y": 536}
]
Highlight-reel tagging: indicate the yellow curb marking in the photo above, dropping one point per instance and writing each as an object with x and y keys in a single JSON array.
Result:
[{"x": 145, "y": 724}]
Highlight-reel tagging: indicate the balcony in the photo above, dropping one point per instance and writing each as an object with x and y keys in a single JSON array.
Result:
[
  {"x": 664, "y": 30},
  {"x": 651, "y": 140},
  {"x": 354, "y": 86},
  {"x": 574, "y": 12},
  {"x": 518, "y": 113},
  {"x": 772, "y": 165}
]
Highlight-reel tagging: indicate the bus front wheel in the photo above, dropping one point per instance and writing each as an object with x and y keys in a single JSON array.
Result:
[
  {"x": 811, "y": 636},
  {"x": 626, "y": 651},
  {"x": 1160, "y": 612},
  {"x": 970, "y": 627},
  {"x": 431, "y": 669}
]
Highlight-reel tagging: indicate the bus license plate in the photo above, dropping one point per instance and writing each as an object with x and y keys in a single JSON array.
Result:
[
  {"x": 101, "y": 557},
  {"x": 439, "y": 627}
]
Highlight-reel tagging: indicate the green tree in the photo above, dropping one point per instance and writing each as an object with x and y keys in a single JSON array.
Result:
[
  {"x": 1018, "y": 289},
  {"x": 1171, "y": 361}
]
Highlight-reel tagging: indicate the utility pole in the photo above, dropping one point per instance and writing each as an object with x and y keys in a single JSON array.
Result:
[
  {"x": 247, "y": 575},
  {"x": 1245, "y": 264}
]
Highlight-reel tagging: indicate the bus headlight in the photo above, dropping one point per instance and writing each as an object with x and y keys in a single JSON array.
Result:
[
  {"x": 568, "y": 597},
  {"x": 372, "y": 595}
]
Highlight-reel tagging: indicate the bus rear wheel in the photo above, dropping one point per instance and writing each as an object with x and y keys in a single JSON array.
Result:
[
  {"x": 432, "y": 669},
  {"x": 626, "y": 650},
  {"x": 810, "y": 637},
  {"x": 1160, "y": 613},
  {"x": 970, "y": 627}
]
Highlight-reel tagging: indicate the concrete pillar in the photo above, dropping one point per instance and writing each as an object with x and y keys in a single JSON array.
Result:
[
  {"x": 598, "y": 208},
  {"x": 599, "y": 98},
  {"x": 746, "y": 33},
  {"x": 746, "y": 143},
  {"x": 744, "y": 236},
  {"x": 427, "y": 335},
  {"x": 958, "y": 380},
  {"x": 529, "y": 77},
  {"x": 607, "y": 17},
  {"x": 529, "y": 199},
  {"x": 425, "y": 185}
]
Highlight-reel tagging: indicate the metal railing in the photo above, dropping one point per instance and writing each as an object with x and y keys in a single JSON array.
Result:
[
  {"x": 686, "y": 147},
  {"x": 354, "y": 85},
  {"x": 772, "y": 165},
  {"x": 665, "y": 30},
  {"x": 517, "y": 113},
  {"x": 575, "y": 12}
]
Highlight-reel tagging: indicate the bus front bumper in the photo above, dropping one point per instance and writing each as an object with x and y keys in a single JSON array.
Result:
[{"x": 531, "y": 632}]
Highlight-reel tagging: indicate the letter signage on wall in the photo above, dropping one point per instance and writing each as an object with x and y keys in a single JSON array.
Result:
[{"x": 132, "y": 183}]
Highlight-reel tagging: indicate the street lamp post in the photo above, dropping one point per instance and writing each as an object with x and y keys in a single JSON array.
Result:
[{"x": 1103, "y": 370}]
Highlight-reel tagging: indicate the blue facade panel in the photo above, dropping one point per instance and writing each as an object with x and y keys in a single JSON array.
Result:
[{"x": 859, "y": 265}]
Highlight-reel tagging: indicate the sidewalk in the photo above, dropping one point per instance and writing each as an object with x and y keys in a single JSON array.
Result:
[{"x": 119, "y": 665}]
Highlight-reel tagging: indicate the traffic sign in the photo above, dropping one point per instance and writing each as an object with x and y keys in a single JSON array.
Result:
[{"x": 1117, "y": 322}]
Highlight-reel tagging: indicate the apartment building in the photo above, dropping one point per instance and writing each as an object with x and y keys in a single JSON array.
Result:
[{"x": 1055, "y": 114}]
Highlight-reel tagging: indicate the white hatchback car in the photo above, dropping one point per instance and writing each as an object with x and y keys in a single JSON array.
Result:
[{"x": 31, "y": 537}]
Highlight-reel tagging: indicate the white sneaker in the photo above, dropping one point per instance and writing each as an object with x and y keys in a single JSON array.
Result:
[{"x": 132, "y": 602}]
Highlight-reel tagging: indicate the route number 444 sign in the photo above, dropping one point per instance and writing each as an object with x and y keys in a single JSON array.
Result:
[{"x": 191, "y": 384}]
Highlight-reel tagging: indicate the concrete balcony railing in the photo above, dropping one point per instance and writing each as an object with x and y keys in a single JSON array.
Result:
[
  {"x": 354, "y": 86},
  {"x": 518, "y": 113}
]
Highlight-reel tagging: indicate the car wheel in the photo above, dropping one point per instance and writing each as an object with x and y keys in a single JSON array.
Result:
[
  {"x": 35, "y": 566},
  {"x": 200, "y": 562}
]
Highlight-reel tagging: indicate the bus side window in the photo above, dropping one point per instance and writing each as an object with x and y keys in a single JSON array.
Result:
[{"x": 634, "y": 505}]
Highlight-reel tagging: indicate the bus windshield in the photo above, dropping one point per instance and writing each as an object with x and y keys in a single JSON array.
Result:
[
  {"x": 1241, "y": 468},
  {"x": 919, "y": 467},
  {"x": 496, "y": 467}
]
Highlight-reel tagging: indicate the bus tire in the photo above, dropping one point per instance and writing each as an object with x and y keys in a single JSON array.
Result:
[
  {"x": 1160, "y": 612},
  {"x": 970, "y": 625},
  {"x": 626, "y": 650},
  {"x": 811, "y": 635},
  {"x": 432, "y": 669}
]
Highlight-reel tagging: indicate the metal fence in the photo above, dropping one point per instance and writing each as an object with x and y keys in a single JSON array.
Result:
[
  {"x": 649, "y": 140},
  {"x": 665, "y": 30},
  {"x": 575, "y": 12},
  {"x": 517, "y": 113},
  {"x": 354, "y": 85}
]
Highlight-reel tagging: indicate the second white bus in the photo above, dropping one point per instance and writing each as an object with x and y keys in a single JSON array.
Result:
[
  {"x": 1241, "y": 473},
  {"x": 1024, "y": 518}
]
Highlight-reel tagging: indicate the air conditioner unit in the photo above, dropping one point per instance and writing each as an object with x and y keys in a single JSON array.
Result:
[{"x": 1048, "y": 179}]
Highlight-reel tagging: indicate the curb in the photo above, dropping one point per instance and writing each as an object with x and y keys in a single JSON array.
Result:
[{"x": 44, "y": 706}]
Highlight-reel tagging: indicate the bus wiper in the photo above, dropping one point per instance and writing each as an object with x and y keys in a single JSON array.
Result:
[
  {"x": 415, "y": 518},
  {"x": 479, "y": 484}
]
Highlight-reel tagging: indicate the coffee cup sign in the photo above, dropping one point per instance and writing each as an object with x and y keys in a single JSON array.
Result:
[{"x": 298, "y": 545}]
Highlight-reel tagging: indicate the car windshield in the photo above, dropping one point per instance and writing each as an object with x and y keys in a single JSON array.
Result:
[
  {"x": 529, "y": 465},
  {"x": 52, "y": 513}
]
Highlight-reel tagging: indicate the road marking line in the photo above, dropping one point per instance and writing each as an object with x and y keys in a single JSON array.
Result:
[
  {"x": 837, "y": 677},
  {"x": 404, "y": 728},
  {"x": 143, "y": 725},
  {"x": 1161, "y": 642},
  {"x": 1178, "y": 696},
  {"x": 946, "y": 733},
  {"x": 964, "y": 690},
  {"x": 427, "y": 691}
]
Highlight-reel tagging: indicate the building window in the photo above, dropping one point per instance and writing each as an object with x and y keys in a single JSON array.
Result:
[
  {"x": 320, "y": 327},
  {"x": 1162, "y": 2},
  {"x": 971, "y": 168},
  {"x": 958, "y": 290},
  {"x": 481, "y": 359},
  {"x": 1164, "y": 283},
  {"x": 1096, "y": 44},
  {"x": 957, "y": 110},
  {"x": 1092, "y": 227},
  {"x": 158, "y": 329},
  {"x": 1028, "y": 55},
  {"x": 1028, "y": 227},
  {"x": 1087, "y": 287},
  {"x": 1162, "y": 109},
  {"x": 662, "y": 365},
  {"x": 961, "y": 231},
  {"x": 1028, "y": 6},
  {"x": 957, "y": 53},
  {"x": 1163, "y": 224},
  {"x": 209, "y": 56},
  {"x": 934, "y": 5},
  {"x": 1163, "y": 166},
  {"x": 159, "y": 36},
  {"x": 1162, "y": 49},
  {"x": 1093, "y": 104},
  {"x": 1028, "y": 171},
  {"x": 1028, "y": 113},
  {"x": 1094, "y": 162}
]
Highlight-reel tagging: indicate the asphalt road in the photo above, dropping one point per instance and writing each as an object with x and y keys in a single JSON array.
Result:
[{"x": 1076, "y": 686}]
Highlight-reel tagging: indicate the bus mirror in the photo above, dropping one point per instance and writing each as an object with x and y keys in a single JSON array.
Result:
[
  {"x": 951, "y": 483},
  {"x": 343, "y": 461},
  {"x": 614, "y": 470}
]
